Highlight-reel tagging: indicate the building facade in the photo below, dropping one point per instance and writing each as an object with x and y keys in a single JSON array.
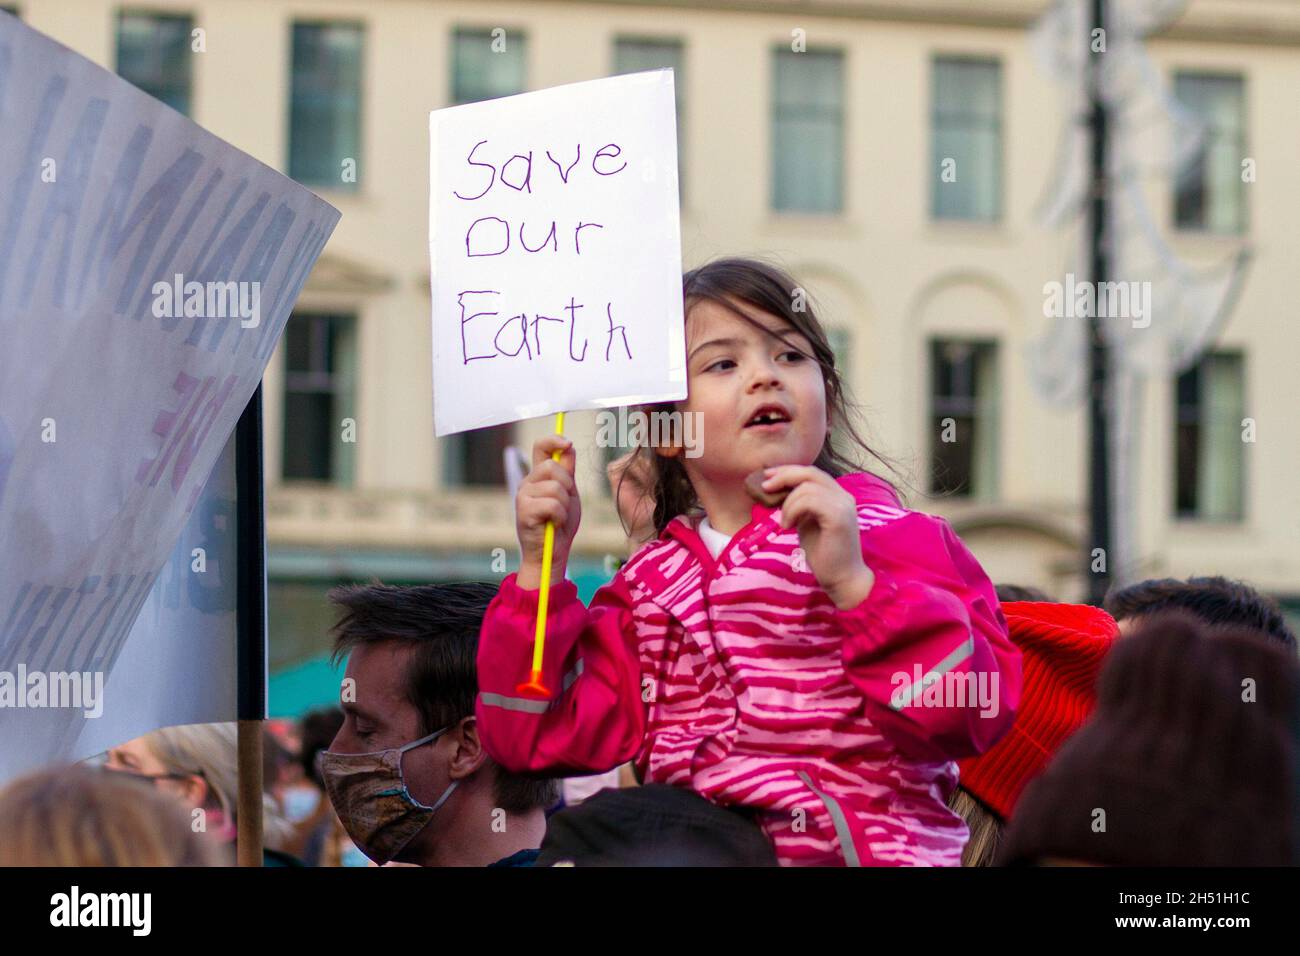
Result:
[{"x": 890, "y": 154}]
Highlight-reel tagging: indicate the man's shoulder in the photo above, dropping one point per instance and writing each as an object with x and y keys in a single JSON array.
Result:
[{"x": 522, "y": 858}]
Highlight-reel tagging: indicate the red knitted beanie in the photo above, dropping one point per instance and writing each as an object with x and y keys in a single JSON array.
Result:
[{"x": 1063, "y": 646}]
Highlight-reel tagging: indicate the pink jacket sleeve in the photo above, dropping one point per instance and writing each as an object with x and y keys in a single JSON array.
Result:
[
  {"x": 931, "y": 618},
  {"x": 595, "y": 720}
]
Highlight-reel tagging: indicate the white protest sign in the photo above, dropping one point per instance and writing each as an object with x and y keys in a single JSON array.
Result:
[
  {"x": 556, "y": 252},
  {"x": 147, "y": 269},
  {"x": 186, "y": 630}
]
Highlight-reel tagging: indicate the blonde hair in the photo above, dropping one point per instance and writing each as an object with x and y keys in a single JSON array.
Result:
[
  {"x": 211, "y": 752},
  {"x": 985, "y": 828},
  {"x": 81, "y": 816}
]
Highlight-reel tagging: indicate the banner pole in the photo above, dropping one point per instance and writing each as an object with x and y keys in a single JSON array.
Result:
[{"x": 250, "y": 665}]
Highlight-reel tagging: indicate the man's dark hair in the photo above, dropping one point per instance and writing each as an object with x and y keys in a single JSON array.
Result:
[
  {"x": 1216, "y": 600},
  {"x": 1019, "y": 592},
  {"x": 317, "y": 728},
  {"x": 441, "y": 622}
]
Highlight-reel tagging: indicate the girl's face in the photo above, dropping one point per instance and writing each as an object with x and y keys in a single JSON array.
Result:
[{"x": 735, "y": 372}]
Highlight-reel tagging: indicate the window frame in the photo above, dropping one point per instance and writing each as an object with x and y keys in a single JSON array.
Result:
[
  {"x": 519, "y": 36},
  {"x": 839, "y": 55},
  {"x": 998, "y": 129},
  {"x": 123, "y": 14},
  {"x": 1243, "y": 205},
  {"x": 334, "y": 182},
  {"x": 938, "y": 408},
  {"x": 336, "y": 383},
  {"x": 1196, "y": 517}
]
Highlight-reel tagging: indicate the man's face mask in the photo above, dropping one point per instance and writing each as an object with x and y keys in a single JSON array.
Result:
[{"x": 370, "y": 797}]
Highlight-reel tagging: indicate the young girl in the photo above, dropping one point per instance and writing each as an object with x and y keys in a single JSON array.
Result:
[{"x": 779, "y": 660}]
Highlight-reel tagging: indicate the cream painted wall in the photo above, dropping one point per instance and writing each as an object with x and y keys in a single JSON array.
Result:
[{"x": 883, "y": 269}]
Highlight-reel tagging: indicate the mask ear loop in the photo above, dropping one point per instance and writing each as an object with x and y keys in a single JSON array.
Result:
[
  {"x": 423, "y": 740},
  {"x": 445, "y": 794},
  {"x": 419, "y": 743}
]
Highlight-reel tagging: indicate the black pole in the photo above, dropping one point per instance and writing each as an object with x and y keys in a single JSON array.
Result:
[
  {"x": 251, "y": 575},
  {"x": 250, "y": 641},
  {"x": 1100, "y": 558}
]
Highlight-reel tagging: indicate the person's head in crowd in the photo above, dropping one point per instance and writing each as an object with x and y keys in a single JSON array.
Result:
[
  {"x": 1188, "y": 760},
  {"x": 407, "y": 773},
  {"x": 279, "y": 763},
  {"x": 80, "y": 816},
  {"x": 1217, "y": 601},
  {"x": 1063, "y": 647},
  {"x": 317, "y": 728},
  {"x": 197, "y": 764},
  {"x": 654, "y": 825},
  {"x": 1019, "y": 592}
]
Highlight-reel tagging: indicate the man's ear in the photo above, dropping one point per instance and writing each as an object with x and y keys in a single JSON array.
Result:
[{"x": 469, "y": 754}]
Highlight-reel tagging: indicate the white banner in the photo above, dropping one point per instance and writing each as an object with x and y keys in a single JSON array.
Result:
[
  {"x": 147, "y": 269},
  {"x": 556, "y": 252},
  {"x": 186, "y": 630}
]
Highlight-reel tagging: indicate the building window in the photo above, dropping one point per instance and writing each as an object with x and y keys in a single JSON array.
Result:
[
  {"x": 325, "y": 112},
  {"x": 319, "y": 385},
  {"x": 153, "y": 53},
  {"x": 633, "y": 55},
  {"x": 808, "y": 131},
  {"x": 476, "y": 458},
  {"x": 966, "y": 140},
  {"x": 964, "y": 418},
  {"x": 485, "y": 67},
  {"x": 839, "y": 340},
  {"x": 1209, "y": 404},
  {"x": 1208, "y": 192}
]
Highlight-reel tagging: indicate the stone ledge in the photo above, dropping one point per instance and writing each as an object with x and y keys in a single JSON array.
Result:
[{"x": 386, "y": 518}]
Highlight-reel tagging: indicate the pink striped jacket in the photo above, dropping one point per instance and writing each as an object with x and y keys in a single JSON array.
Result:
[{"x": 740, "y": 679}]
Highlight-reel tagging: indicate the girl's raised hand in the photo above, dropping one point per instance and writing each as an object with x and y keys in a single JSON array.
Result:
[
  {"x": 826, "y": 517},
  {"x": 547, "y": 493}
]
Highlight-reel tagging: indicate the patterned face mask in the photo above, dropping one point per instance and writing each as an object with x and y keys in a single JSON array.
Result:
[{"x": 370, "y": 797}]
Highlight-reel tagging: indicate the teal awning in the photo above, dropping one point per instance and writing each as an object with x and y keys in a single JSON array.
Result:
[
  {"x": 303, "y": 687},
  {"x": 306, "y": 684}
]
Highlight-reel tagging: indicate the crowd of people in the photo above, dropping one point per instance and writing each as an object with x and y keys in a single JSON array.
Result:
[
  {"x": 791, "y": 668},
  {"x": 1162, "y": 730}
]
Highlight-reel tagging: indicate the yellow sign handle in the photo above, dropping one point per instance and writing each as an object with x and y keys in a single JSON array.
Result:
[{"x": 534, "y": 686}]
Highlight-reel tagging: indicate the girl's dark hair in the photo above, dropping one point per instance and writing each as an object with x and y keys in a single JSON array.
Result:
[{"x": 739, "y": 285}]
